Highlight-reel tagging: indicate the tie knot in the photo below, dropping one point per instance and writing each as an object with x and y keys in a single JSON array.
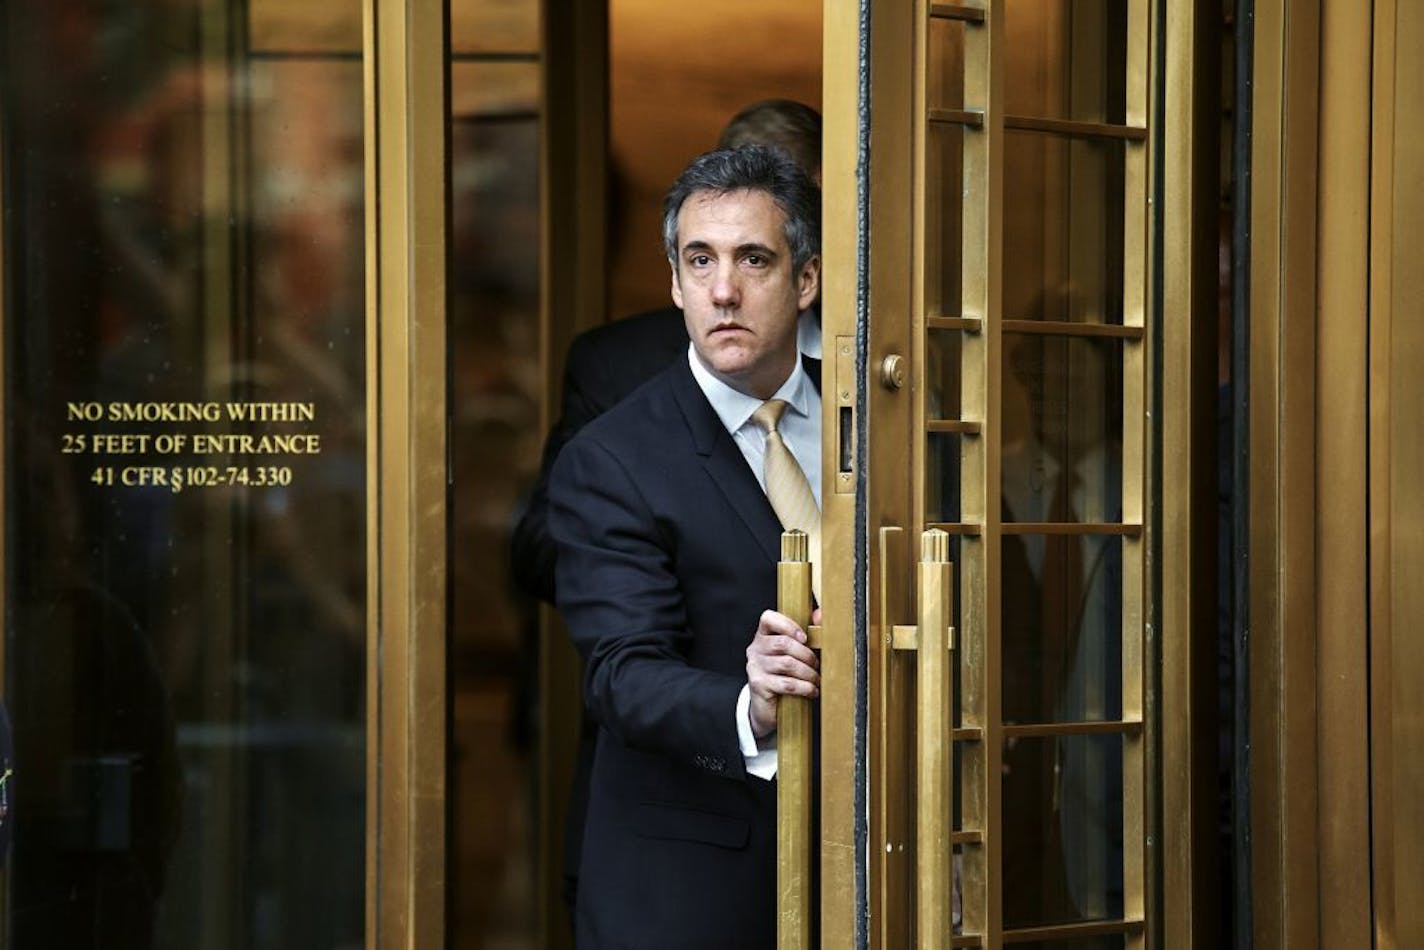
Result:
[{"x": 768, "y": 416}]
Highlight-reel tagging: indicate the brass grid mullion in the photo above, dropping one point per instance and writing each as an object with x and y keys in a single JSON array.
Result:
[
  {"x": 1048, "y": 730},
  {"x": 981, "y": 284},
  {"x": 954, "y": 11},
  {"x": 1094, "y": 928},
  {"x": 1068, "y": 128},
  {"x": 1073, "y": 527},
  {"x": 1104, "y": 331},
  {"x": 971, "y": 529},
  {"x": 969, "y": 118},
  {"x": 967, "y": 324},
  {"x": 1135, "y": 787},
  {"x": 953, "y": 426}
]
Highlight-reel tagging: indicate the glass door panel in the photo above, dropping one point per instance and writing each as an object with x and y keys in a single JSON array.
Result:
[
  {"x": 1063, "y": 218},
  {"x": 1030, "y": 180},
  {"x": 185, "y": 472},
  {"x": 1062, "y": 844},
  {"x": 494, "y": 336},
  {"x": 1065, "y": 60}
]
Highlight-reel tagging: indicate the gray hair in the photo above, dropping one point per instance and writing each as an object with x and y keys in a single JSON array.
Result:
[{"x": 755, "y": 168}]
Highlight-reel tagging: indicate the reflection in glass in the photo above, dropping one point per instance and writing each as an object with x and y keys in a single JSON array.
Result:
[
  {"x": 185, "y": 654},
  {"x": 944, "y": 230},
  {"x": 495, "y": 443},
  {"x": 943, "y": 373},
  {"x": 1063, "y": 228},
  {"x": 942, "y": 473},
  {"x": 493, "y": 28},
  {"x": 282, "y": 27},
  {"x": 1062, "y": 839},
  {"x": 1067, "y": 59},
  {"x": 1061, "y": 463},
  {"x": 944, "y": 79},
  {"x": 1062, "y": 627},
  {"x": 1062, "y": 429}
]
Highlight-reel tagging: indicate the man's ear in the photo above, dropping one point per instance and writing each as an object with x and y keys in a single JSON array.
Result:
[
  {"x": 809, "y": 283},
  {"x": 676, "y": 287}
]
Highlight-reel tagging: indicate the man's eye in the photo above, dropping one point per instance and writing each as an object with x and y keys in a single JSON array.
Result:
[
  {"x": 755, "y": 260},
  {"x": 700, "y": 260}
]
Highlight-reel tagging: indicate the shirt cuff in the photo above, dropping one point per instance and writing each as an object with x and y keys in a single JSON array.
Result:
[{"x": 759, "y": 756}]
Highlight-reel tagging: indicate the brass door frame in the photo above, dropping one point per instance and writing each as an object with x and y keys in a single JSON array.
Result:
[
  {"x": 1396, "y": 393},
  {"x": 1328, "y": 688},
  {"x": 1282, "y": 492},
  {"x": 868, "y": 542},
  {"x": 843, "y": 802},
  {"x": 1185, "y": 589},
  {"x": 406, "y": 56}
]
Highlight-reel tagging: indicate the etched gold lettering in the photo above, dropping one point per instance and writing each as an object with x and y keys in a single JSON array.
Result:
[
  {"x": 236, "y": 443},
  {"x": 271, "y": 411},
  {"x": 110, "y": 443},
  {"x": 164, "y": 412}
]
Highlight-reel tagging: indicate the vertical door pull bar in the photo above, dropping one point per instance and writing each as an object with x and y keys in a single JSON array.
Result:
[
  {"x": 934, "y": 760},
  {"x": 794, "y": 780}
]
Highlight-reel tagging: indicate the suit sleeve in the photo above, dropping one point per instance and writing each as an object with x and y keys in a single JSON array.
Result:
[
  {"x": 621, "y": 598},
  {"x": 532, "y": 550}
]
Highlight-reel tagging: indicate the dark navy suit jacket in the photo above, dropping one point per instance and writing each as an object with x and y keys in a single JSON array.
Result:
[{"x": 667, "y": 549}]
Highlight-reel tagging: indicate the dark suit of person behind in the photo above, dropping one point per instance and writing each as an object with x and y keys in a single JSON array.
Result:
[
  {"x": 666, "y": 570},
  {"x": 603, "y": 366}
]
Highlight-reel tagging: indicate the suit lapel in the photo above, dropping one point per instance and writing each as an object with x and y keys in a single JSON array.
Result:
[{"x": 724, "y": 462}]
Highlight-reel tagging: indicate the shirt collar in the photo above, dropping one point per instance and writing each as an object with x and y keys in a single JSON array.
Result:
[{"x": 735, "y": 408}]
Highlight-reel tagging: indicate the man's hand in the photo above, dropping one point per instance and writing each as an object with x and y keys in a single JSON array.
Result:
[{"x": 779, "y": 663}]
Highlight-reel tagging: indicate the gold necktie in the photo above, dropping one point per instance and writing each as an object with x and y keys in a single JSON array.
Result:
[{"x": 787, "y": 488}]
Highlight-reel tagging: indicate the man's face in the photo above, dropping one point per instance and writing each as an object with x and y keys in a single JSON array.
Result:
[{"x": 733, "y": 280}]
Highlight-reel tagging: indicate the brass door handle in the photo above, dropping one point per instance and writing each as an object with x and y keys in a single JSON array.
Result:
[
  {"x": 931, "y": 639},
  {"x": 794, "y": 781},
  {"x": 934, "y": 750}
]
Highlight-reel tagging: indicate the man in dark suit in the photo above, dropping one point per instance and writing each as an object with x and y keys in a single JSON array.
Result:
[
  {"x": 667, "y": 544},
  {"x": 608, "y": 362}
]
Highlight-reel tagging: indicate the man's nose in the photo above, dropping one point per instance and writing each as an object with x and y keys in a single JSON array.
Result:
[{"x": 725, "y": 292}]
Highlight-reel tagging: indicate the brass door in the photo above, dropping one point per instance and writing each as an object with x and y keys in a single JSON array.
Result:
[{"x": 987, "y": 265}]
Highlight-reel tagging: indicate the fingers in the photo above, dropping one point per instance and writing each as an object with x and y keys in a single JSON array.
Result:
[
  {"x": 779, "y": 646},
  {"x": 779, "y": 663},
  {"x": 783, "y": 675},
  {"x": 772, "y": 622}
]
